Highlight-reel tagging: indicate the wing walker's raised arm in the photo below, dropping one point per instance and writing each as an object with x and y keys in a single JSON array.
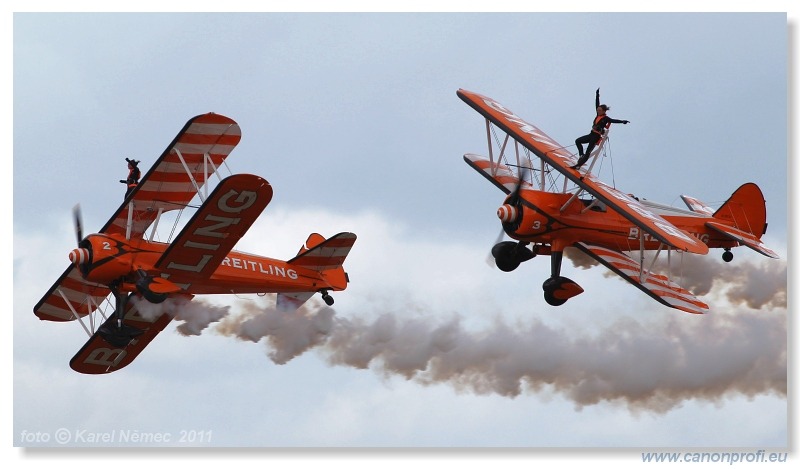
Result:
[
  {"x": 560, "y": 159},
  {"x": 546, "y": 220}
]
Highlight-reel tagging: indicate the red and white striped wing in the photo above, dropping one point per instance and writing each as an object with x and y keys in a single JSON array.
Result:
[
  {"x": 502, "y": 176},
  {"x": 70, "y": 293},
  {"x": 556, "y": 155},
  {"x": 200, "y": 147},
  {"x": 181, "y": 171},
  {"x": 657, "y": 286}
]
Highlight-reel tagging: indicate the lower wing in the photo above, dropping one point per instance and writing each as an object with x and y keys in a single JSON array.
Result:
[{"x": 657, "y": 286}]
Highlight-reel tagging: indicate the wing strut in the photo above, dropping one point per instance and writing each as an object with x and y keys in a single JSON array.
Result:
[
  {"x": 191, "y": 176},
  {"x": 155, "y": 223},
  {"x": 74, "y": 313},
  {"x": 571, "y": 199},
  {"x": 129, "y": 225},
  {"x": 489, "y": 139}
]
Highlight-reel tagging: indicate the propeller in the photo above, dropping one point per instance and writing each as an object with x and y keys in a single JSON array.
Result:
[
  {"x": 510, "y": 210},
  {"x": 78, "y": 222},
  {"x": 80, "y": 255}
]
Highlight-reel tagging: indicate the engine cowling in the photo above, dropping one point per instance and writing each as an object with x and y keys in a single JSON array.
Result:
[
  {"x": 102, "y": 258},
  {"x": 507, "y": 213}
]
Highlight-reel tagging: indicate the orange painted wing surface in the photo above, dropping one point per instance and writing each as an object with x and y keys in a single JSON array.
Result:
[
  {"x": 70, "y": 295},
  {"x": 167, "y": 186},
  {"x": 98, "y": 357},
  {"x": 179, "y": 173},
  {"x": 559, "y": 158},
  {"x": 215, "y": 228},
  {"x": 657, "y": 286},
  {"x": 500, "y": 175}
]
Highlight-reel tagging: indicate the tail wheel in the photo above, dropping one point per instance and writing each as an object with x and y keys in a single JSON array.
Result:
[
  {"x": 727, "y": 256},
  {"x": 327, "y": 298}
]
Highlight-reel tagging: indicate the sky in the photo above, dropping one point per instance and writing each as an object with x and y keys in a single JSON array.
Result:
[{"x": 354, "y": 120}]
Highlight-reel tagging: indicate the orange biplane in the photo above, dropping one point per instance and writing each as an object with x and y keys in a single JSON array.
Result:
[
  {"x": 552, "y": 207},
  {"x": 122, "y": 260}
]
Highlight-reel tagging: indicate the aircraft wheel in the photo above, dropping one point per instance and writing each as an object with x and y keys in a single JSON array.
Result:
[
  {"x": 505, "y": 264},
  {"x": 504, "y": 256},
  {"x": 552, "y": 300},
  {"x": 327, "y": 299},
  {"x": 727, "y": 256}
]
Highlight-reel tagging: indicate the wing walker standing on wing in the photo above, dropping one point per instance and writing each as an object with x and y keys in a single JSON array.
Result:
[
  {"x": 599, "y": 130},
  {"x": 551, "y": 206},
  {"x": 122, "y": 260}
]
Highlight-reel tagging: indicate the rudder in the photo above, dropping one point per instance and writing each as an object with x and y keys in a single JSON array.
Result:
[{"x": 746, "y": 209}]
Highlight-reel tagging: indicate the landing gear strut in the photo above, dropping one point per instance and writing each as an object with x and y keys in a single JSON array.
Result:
[
  {"x": 327, "y": 298},
  {"x": 558, "y": 289},
  {"x": 115, "y": 331}
]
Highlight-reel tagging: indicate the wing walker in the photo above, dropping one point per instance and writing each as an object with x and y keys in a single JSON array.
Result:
[{"x": 550, "y": 206}]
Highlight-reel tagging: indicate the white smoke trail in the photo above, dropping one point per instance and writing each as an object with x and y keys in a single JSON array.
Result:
[
  {"x": 196, "y": 314},
  {"x": 648, "y": 367},
  {"x": 653, "y": 366},
  {"x": 288, "y": 335}
]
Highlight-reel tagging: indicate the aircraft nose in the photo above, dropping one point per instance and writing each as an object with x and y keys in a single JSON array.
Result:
[
  {"x": 507, "y": 213},
  {"x": 79, "y": 256}
]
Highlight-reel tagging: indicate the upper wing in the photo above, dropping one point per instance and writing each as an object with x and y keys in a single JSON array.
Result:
[
  {"x": 215, "y": 228},
  {"x": 500, "y": 175},
  {"x": 559, "y": 158},
  {"x": 179, "y": 173},
  {"x": 657, "y": 286},
  {"x": 195, "y": 153}
]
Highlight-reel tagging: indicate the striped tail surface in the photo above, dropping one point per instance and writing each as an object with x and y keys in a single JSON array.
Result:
[{"x": 325, "y": 256}]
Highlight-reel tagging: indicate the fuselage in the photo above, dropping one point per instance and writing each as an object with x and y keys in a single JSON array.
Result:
[
  {"x": 548, "y": 218},
  {"x": 110, "y": 257}
]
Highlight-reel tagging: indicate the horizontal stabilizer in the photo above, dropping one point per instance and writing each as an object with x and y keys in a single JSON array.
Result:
[
  {"x": 290, "y": 302},
  {"x": 325, "y": 256},
  {"x": 657, "y": 286},
  {"x": 328, "y": 254},
  {"x": 697, "y": 206},
  {"x": 742, "y": 237}
]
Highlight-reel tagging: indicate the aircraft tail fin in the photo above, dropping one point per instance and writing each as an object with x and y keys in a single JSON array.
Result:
[
  {"x": 325, "y": 256},
  {"x": 746, "y": 209},
  {"x": 743, "y": 218}
]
